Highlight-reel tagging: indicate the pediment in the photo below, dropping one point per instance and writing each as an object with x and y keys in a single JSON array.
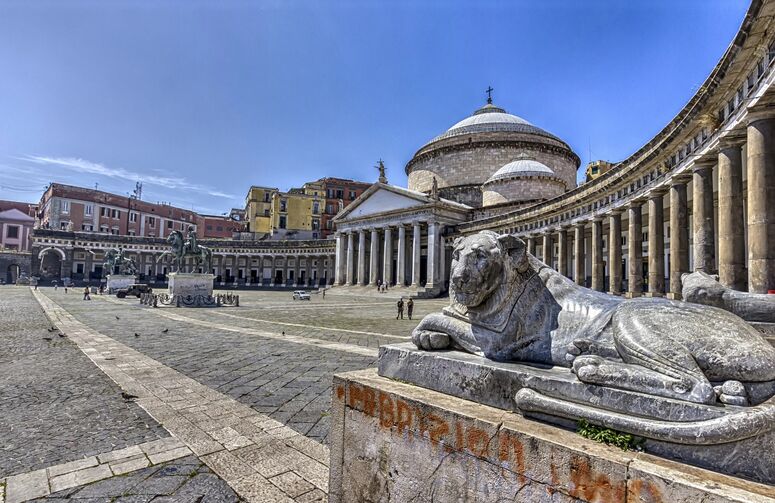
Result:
[{"x": 379, "y": 201}]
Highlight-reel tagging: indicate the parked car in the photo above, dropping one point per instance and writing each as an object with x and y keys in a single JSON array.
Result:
[
  {"x": 301, "y": 295},
  {"x": 135, "y": 290}
]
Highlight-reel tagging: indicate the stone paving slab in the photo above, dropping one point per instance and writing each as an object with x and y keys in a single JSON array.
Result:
[
  {"x": 207, "y": 422},
  {"x": 55, "y": 405}
]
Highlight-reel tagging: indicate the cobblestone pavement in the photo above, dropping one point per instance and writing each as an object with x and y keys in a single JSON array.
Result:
[
  {"x": 289, "y": 382},
  {"x": 180, "y": 481},
  {"x": 56, "y": 406}
]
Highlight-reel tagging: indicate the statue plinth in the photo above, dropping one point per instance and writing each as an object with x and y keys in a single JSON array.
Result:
[
  {"x": 118, "y": 281},
  {"x": 185, "y": 283}
]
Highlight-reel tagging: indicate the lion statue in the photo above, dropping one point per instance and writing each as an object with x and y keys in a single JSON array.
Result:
[
  {"x": 507, "y": 305},
  {"x": 702, "y": 288}
]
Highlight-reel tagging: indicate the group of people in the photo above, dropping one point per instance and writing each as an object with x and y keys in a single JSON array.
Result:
[
  {"x": 382, "y": 287},
  {"x": 409, "y": 308}
]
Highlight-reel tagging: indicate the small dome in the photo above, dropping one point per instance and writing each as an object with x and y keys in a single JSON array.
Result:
[{"x": 519, "y": 168}]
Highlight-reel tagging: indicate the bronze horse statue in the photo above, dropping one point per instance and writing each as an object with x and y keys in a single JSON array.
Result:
[{"x": 181, "y": 248}]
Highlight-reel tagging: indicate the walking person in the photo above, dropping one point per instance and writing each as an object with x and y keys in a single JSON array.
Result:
[
  {"x": 400, "y": 306},
  {"x": 56, "y": 286},
  {"x": 410, "y": 307},
  {"x": 324, "y": 293},
  {"x": 86, "y": 295}
]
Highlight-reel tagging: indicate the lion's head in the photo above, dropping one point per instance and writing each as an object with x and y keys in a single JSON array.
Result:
[{"x": 481, "y": 263}]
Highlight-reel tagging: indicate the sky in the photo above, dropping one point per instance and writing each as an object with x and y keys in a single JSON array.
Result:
[{"x": 201, "y": 100}]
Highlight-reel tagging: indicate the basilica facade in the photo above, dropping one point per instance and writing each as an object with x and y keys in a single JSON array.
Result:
[{"x": 700, "y": 195}]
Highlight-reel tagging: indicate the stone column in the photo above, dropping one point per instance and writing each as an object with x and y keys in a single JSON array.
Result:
[
  {"x": 362, "y": 280},
  {"x": 761, "y": 208},
  {"x": 374, "y": 255},
  {"x": 387, "y": 259},
  {"x": 531, "y": 245},
  {"x": 442, "y": 275},
  {"x": 285, "y": 270},
  {"x": 272, "y": 269},
  {"x": 656, "y": 245},
  {"x": 598, "y": 264},
  {"x": 88, "y": 265},
  {"x": 547, "y": 249},
  {"x": 433, "y": 255},
  {"x": 307, "y": 270},
  {"x": 319, "y": 272},
  {"x": 579, "y": 274},
  {"x": 615, "y": 252},
  {"x": 702, "y": 217},
  {"x": 350, "y": 264},
  {"x": 731, "y": 238},
  {"x": 562, "y": 244},
  {"x": 416, "y": 254},
  {"x": 340, "y": 254},
  {"x": 401, "y": 273},
  {"x": 679, "y": 236},
  {"x": 635, "y": 251}
]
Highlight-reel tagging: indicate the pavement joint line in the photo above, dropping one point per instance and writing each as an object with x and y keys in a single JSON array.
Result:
[
  {"x": 83, "y": 471},
  {"x": 158, "y": 386},
  {"x": 307, "y": 341}
]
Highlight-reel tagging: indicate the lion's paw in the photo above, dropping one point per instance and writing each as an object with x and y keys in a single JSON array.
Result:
[
  {"x": 732, "y": 393},
  {"x": 428, "y": 339}
]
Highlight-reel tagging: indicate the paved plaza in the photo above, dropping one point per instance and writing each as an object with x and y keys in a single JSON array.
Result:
[{"x": 141, "y": 404}]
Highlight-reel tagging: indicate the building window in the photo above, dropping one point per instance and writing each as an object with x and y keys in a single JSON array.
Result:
[
  {"x": 152, "y": 221},
  {"x": 88, "y": 210},
  {"x": 132, "y": 216},
  {"x": 131, "y": 232},
  {"x": 282, "y": 221},
  {"x": 103, "y": 228},
  {"x": 209, "y": 227},
  {"x": 315, "y": 207},
  {"x": 315, "y": 224},
  {"x": 339, "y": 194},
  {"x": 283, "y": 205},
  {"x": 169, "y": 224},
  {"x": 329, "y": 194},
  {"x": 266, "y": 197},
  {"x": 63, "y": 225},
  {"x": 330, "y": 209},
  {"x": 12, "y": 232},
  {"x": 103, "y": 212},
  {"x": 65, "y": 206},
  {"x": 266, "y": 212},
  {"x": 87, "y": 227},
  {"x": 352, "y": 195}
]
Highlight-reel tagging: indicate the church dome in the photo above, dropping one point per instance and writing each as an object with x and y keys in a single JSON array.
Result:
[
  {"x": 521, "y": 168},
  {"x": 491, "y": 118}
]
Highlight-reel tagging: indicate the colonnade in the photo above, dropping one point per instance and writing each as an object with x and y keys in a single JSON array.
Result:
[
  {"x": 394, "y": 255},
  {"x": 738, "y": 218}
]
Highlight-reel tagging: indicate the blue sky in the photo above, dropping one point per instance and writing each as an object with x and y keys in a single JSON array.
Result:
[{"x": 200, "y": 100}]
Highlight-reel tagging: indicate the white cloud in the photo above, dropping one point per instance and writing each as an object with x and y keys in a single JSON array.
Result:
[{"x": 85, "y": 166}]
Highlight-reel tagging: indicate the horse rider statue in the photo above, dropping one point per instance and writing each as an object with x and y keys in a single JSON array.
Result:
[
  {"x": 182, "y": 248},
  {"x": 118, "y": 258}
]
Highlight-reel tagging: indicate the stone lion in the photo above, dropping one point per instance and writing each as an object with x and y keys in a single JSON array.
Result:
[
  {"x": 509, "y": 306},
  {"x": 702, "y": 288}
]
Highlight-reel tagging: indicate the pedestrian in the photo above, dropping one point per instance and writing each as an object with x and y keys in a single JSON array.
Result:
[
  {"x": 102, "y": 287},
  {"x": 400, "y": 306},
  {"x": 56, "y": 286},
  {"x": 410, "y": 307},
  {"x": 324, "y": 293},
  {"x": 65, "y": 288},
  {"x": 86, "y": 295}
]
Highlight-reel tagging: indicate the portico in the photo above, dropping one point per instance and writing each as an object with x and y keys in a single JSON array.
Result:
[{"x": 395, "y": 236}]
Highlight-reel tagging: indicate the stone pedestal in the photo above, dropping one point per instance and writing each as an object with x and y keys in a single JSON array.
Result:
[
  {"x": 118, "y": 281},
  {"x": 190, "y": 290},
  {"x": 394, "y": 441}
]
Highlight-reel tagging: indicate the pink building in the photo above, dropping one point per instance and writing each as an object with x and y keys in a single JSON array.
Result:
[{"x": 15, "y": 226}]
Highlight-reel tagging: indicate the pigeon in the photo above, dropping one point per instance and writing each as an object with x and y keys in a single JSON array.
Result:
[
  {"x": 47, "y": 338},
  {"x": 118, "y": 318},
  {"x": 127, "y": 396},
  {"x": 137, "y": 335},
  {"x": 52, "y": 329},
  {"x": 165, "y": 330},
  {"x": 62, "y": 335},
  {"x": 283, "y": 332}
]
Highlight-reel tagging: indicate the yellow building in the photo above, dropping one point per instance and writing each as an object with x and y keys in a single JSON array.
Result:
[
  {"x": 597, "y": 168},
  {"x": 258, "y": 209}
]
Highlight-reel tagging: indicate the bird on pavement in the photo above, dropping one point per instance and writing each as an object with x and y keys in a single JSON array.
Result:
[
  {"x": 118, "y": 318},
  {"x": 62, "y": 335},
  {"x": 165, "y": 330},
  {"x": 137, "y": 335},
  {"x": 52, "y": 329},
  {"x": 127, "y": 396},
  {"x": 47, "y": 338}
]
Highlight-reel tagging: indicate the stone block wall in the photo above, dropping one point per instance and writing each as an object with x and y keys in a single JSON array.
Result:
[{"x": 523, "y": 189}]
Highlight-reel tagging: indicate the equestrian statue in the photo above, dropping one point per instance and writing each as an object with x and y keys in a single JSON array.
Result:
[
  {"x": 182, "y": 248},
  {"x": 116, "y": 258}
]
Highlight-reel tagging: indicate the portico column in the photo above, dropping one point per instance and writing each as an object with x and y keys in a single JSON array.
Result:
[
  {"x": 285, "y": 270},
  {"x": 416, "y": 257},
  {"x": 547, "y": 248},
  {"x": 615, "y": 252},
  {"x": 442, "y": 275},
  {"x": 350, "y": 253},
  {"x": 340, "y": 262},
  {"x": 307, "y": 269},
  {"x": 761, "y": 210},
  {"x": 272, "y": 268},
  {"x": 401, "y": 273},
  {"x": 679, "y": 236},
  {"x": 702, "y": 217},
  {"x": 531, "y": 245},
  {"x": 579, "y": 275},
  {"x": 387, "y": 259},
  {"x": 319, "y": 272},
  {"x": 598, "y": 264},
  {"x": 362, "y": 280},
  {"x": 562, "y": 244},
  {"x": 635, "y": 250},
  {"x": 374, "y": 256},
  {"x": 656, "y": 245},
  {"x": 731, "y": 238},
  {"x": 433, "y": 255}
]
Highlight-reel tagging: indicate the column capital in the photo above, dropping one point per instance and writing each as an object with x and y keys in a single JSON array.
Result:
[
  {"x": 680, "y": 179},
  {"x": 657, "y": 192},
  {"x": 760, "y": 112},
  {"x": 733, "y": 139},
  {"x": 635, "y": 203},
  {"x": 704, "y": 163}
]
